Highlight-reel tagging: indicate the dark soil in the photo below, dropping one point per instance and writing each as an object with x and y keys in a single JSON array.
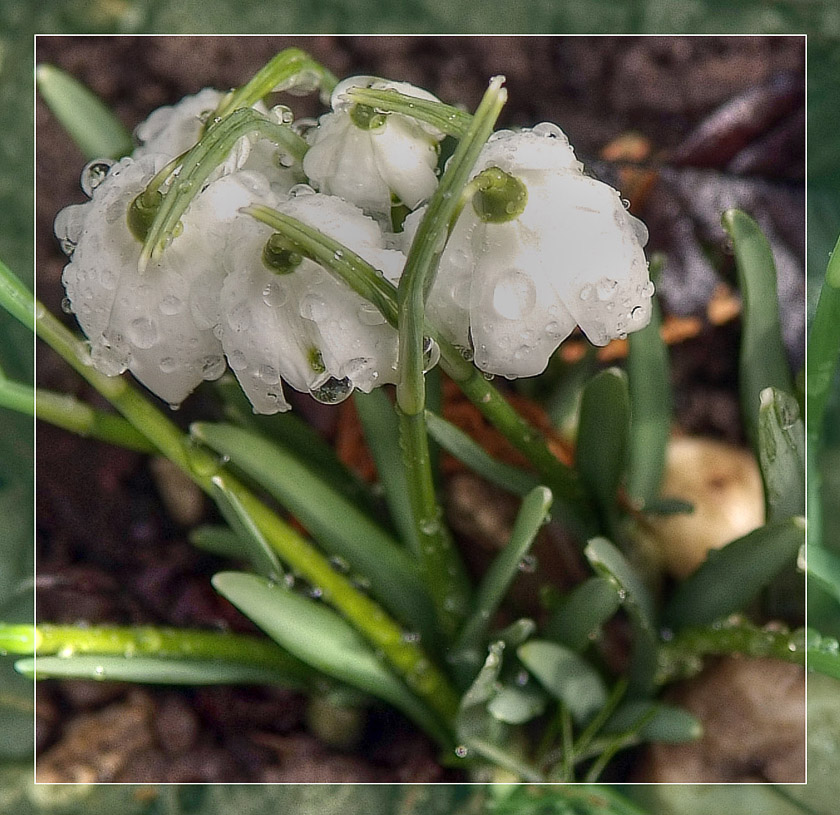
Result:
[{"x": 111, "y": 551}]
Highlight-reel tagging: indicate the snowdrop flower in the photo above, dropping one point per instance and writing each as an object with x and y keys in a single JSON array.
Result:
[
  {"x": 366, "y": 157},
  {"x": 285, "y": 318},
  {"x": 159, "y": 323},
  {"x": 542, "y": 248}
]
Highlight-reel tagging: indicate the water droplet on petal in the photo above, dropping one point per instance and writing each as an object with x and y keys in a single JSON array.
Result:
[
  {"x": 212, "y": 366},
  {"x": 275, "y": 294},
  {"x": 333, "y": 391},
  {"x": 171, "y": 305},
  {"x": 431, "y": 354},
  {"x": 94, "y": 174},
  {"x": 369, "y": 314},
  {"x": 143, "y": 332}
]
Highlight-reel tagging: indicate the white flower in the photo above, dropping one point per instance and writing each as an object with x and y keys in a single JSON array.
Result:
[
  {"x": 158, "y": 323},
  {"x": 286, "y": 318},
  {"x": 365, "y": 157},
  {"x": 512, "y": 285},
  {"x": 174, "y": 129}
]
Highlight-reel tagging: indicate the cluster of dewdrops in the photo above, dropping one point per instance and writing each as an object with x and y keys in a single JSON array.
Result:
[{"x": 511, "y": 284}]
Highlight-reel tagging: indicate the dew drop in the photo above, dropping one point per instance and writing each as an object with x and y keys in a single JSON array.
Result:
[
  {"x": 369, "y": 314},
  {"x": 514, "y": 295},
  {"x": 94, "y": 173},
  {"x": 171, "y": 305},
  {"x": 143, "y": 332},
  {"x": 461, "y": 751},
  {"x": 431, "y": 354},
  {"x": 168, "y": 365},
  {"x": 239, "y": 318},
  {"x": 268, "y": 374},
  {"x": 528, "y": 564},
  {"x": 212, "y": 366},
  {"x": 313, "y": 307},
  {"x": 637, "y": 314},
  {"x": 333, "y": 391},
  {"x": 237, "y": 361},
  {"x": 275, "y": 294},
  {"x": 66, "y": 305},
  {"x": 606, "y": 288}
]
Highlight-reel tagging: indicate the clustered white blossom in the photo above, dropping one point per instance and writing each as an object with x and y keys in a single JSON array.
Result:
[{"x": 539, "y": 249}]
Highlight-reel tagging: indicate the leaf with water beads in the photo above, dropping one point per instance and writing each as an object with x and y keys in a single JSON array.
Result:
[
  {"x": 610, "y": 563},
  {"x": 336, "y": 523},
  {"x": 504, "y": 569},
  {"x": 315, "y": 634},
  {"x": 781, "y": 454},
  {"x": 90, "y": 124}
]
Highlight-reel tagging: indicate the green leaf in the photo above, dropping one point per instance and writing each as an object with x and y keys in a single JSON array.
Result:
[
  {"x": 153, "y": 670},
  {"x": 505, "y": 567},
  {"x": 608, "y": 562},
  {"x": 667, "y": 724},
  {"x": 517, "y": 705},
  {"x": 582, "y": 612},
  {"x": 316, "y": 635},
  {"x": 651, "y": 403},
  {"x": 256, "y": 549},
  {"x": 603, "y": 434},
  {"x": 824, "y": 567},
  {"x": 217, "y": 540},
  {"x": 332, "y": 520},
  {"x": 460, "y": 445},
  {"x": 566, "y": 676},
  {"x": 381, "y": 429},
  {"x": 93, "y": 127},
  {"x": 762, "y": 361},
  {"x": 733, "y": 576},
  {"x": 781, "y": 454}
]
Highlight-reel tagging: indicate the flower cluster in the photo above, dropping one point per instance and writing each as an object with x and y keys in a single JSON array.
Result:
[{"x": 537, "y": 249}]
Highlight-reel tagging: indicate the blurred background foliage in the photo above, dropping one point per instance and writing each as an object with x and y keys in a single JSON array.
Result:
[{"x": 20, "y": 20}]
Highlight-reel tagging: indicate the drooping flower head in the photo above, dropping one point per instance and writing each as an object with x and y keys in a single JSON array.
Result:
[
  {"x": 541, "y": 248},
  {"x": 366, "y": 157},
  {"x": 285, "y": 318}
]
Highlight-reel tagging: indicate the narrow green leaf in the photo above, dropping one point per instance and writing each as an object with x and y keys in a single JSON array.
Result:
[
  {"x": 781, "y": 454},
  {"x": 582, "y": 612},
  {"x": 566, "y": 676},
  {"x": 505, "y": 567},
  {"x": 297, "y": 436},
  {"x": 316, "y": 635},
  {"x": 762, "y": 361},
  {"x": 218, "y": 540},
  {"x": 381, "y": 429},
  {"x": 823, "y": 566},
  {"x": 733, "y": 576},
  {"x": 332, "y": 520},
  {"x": 824, "y": 346},
  {"x": 603, "y": 434},
  {"x": 651, "y": 404},
  {"x": 668, "y": 724},
  {"x": 97, "y": 132},
  {"x": 154, "y": 670},
  {"x": 254, "y": 545},
  {"x": 608, "y": 562},
  {"x": 16, "y": 298},
  {"x": 460, "y": 445}
]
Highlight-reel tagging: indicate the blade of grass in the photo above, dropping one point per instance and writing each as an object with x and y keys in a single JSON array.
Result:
[
  {"x": 96, "y": 131},
  {"x": 256, "y": 549},
  {"x": 459, "y": 444},
  {"x": 497, "y": 580},
  {"x": 381, "y": 431},
  {"x": 731, "y": 577},
  {"x": 319, "y": 637},
  {"x": 651, "y": 404},
  {"x": 332, "y": 520},
  {"x": 781, "y": 454},
  {"x": 582, "y": 612},
  {"x": 762, "y": 361},
  {"x": 608, "y": 562},
  {"x": 602, "y": 440}
]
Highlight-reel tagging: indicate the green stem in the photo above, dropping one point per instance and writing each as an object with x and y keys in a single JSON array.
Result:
[
  {"x": 447, "y": 119},
  {"x": 409, "y": 660},
  {"x": 441, "y": 566},
  {"x": 201, "y": 161},
  {"x": 682, "y": 656},
  {"x": 68, "y": 640},
  {"x": 286, "y": 70}
]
